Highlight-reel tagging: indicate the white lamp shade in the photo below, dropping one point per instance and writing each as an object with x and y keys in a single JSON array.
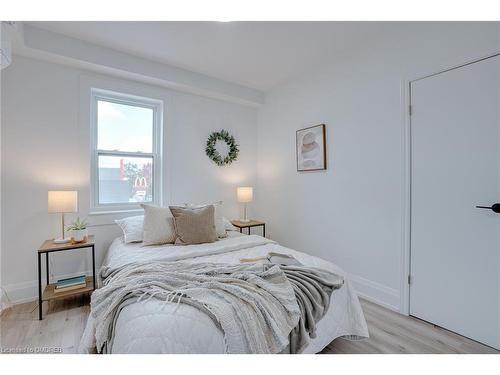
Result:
[
  {"x": 245, "y": 194},
  {"x": 62, "y": 201}
]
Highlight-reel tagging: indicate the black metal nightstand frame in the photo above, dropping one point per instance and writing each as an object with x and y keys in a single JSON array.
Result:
[
  {"x": 57, "y": 248},
  {"x": 251, "y": 224}
]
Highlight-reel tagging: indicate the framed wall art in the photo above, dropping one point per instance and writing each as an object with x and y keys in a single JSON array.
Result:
[{"x": 311, "y": 148}]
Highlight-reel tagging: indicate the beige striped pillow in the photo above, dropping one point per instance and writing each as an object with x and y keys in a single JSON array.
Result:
[
  {"x": 219, "y": 223},
  {"x": 194, "y": 225}
]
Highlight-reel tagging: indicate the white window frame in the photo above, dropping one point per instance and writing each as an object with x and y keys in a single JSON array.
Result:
[{"x": 156, "y": 154}]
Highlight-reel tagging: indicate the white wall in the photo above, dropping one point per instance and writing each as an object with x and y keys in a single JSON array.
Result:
[
  {"x": 351, "y": 213},
  {"x": 45, "y": 146}
]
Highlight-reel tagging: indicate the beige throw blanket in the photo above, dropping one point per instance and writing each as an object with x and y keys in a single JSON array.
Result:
[{"x": 260, "y": 308}]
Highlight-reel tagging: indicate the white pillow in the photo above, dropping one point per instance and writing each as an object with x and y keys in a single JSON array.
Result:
[
  {"x": 132, "y": 228},
  {"x": 158, "y": 225},
  {"x": 228, "y": 225},
  {"x": 219, "y": 224}
]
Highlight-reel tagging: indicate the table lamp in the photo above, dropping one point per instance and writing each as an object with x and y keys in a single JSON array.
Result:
[
  {"x": 62, "y": 202},
  {"x": 245, "y": 195}
]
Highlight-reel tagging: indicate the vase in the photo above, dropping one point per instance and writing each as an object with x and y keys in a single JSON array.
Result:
[{"x": 79, "y": 235}]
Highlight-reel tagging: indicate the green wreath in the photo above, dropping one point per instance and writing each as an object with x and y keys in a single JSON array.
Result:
[{"x": 212, "y": 152}]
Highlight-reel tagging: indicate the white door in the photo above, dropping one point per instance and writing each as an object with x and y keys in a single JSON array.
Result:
[{"x": 455, "y": 157}]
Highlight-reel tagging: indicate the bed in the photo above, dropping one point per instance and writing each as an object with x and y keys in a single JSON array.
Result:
[{"x": 157, "y": 327}]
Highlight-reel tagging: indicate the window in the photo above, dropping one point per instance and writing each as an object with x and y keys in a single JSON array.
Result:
[{"x": 126, "y": 151}]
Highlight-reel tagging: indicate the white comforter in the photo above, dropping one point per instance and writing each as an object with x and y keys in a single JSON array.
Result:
[{"x": 156, "y": 327}]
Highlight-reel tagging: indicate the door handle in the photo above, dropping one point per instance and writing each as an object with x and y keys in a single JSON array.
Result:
[{"x": 495, "y": 208}]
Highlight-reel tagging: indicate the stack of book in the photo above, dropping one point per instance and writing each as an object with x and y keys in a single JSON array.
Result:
[{"x": 71, "y": 283}]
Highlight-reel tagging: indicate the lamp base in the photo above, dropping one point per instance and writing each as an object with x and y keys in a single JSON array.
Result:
[
  {"x": 244, "y": 220},
  {"x": 62, "y": 240}
]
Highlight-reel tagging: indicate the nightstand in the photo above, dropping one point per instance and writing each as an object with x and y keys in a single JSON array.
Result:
[
  {"x": 50, "y": 247},
  {"x": 249, "y": 224}
]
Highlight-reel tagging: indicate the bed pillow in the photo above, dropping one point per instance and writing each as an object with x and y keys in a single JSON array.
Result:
[
  {"x": 219, "y": 223},
  {"x": 158, "y": 225},
  {"x": 194, "y": 225},
  {"x": 132, "y": 228}
]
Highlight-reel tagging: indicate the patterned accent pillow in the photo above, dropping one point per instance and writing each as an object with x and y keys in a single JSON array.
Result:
[
  {"x": 158, "y": 225},
  {"x": 132, "y": 228},
  {"x": 194, "y": 225}
]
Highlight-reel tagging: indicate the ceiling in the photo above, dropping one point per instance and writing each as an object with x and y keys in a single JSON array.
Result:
[{"x": 259, "y": 55}]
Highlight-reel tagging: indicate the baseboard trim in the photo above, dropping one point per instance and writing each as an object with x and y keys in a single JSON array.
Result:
[{"x": 375, "y": 292}]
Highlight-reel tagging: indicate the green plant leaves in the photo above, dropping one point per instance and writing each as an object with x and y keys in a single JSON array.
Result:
[{"x": 77, "y": 225}]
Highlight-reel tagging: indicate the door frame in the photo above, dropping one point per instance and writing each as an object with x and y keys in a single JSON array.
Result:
[{"x": 405, "y": 87}]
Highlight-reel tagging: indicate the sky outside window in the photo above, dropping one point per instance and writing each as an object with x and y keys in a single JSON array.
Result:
[{"x": 124, "y": 127}]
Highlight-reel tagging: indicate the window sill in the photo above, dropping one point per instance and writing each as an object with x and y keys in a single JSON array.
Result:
[{"x": 112, "y": 212}]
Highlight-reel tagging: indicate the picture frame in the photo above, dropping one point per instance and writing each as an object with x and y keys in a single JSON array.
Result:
[{"x": 310, "y": 148}]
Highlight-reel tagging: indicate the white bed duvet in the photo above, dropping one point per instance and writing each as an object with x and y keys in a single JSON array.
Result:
[{"x": 153, "y": 326}]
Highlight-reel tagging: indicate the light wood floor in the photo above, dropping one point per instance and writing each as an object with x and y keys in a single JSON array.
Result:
[{"x": 390, "y": 332}]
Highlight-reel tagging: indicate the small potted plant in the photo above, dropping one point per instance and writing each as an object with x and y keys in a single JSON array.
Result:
[{"x": 78, "y": 230}]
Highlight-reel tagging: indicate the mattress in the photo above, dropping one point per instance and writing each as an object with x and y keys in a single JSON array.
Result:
[{"x": 157, "y": 327}]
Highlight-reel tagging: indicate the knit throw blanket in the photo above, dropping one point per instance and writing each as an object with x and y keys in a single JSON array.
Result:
[{"x": 260, "y": 308}]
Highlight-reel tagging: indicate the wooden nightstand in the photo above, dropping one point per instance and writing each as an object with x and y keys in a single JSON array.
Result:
[
  {"x": 249, "y": 224},
  {"x": 50, "y": 247}
]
